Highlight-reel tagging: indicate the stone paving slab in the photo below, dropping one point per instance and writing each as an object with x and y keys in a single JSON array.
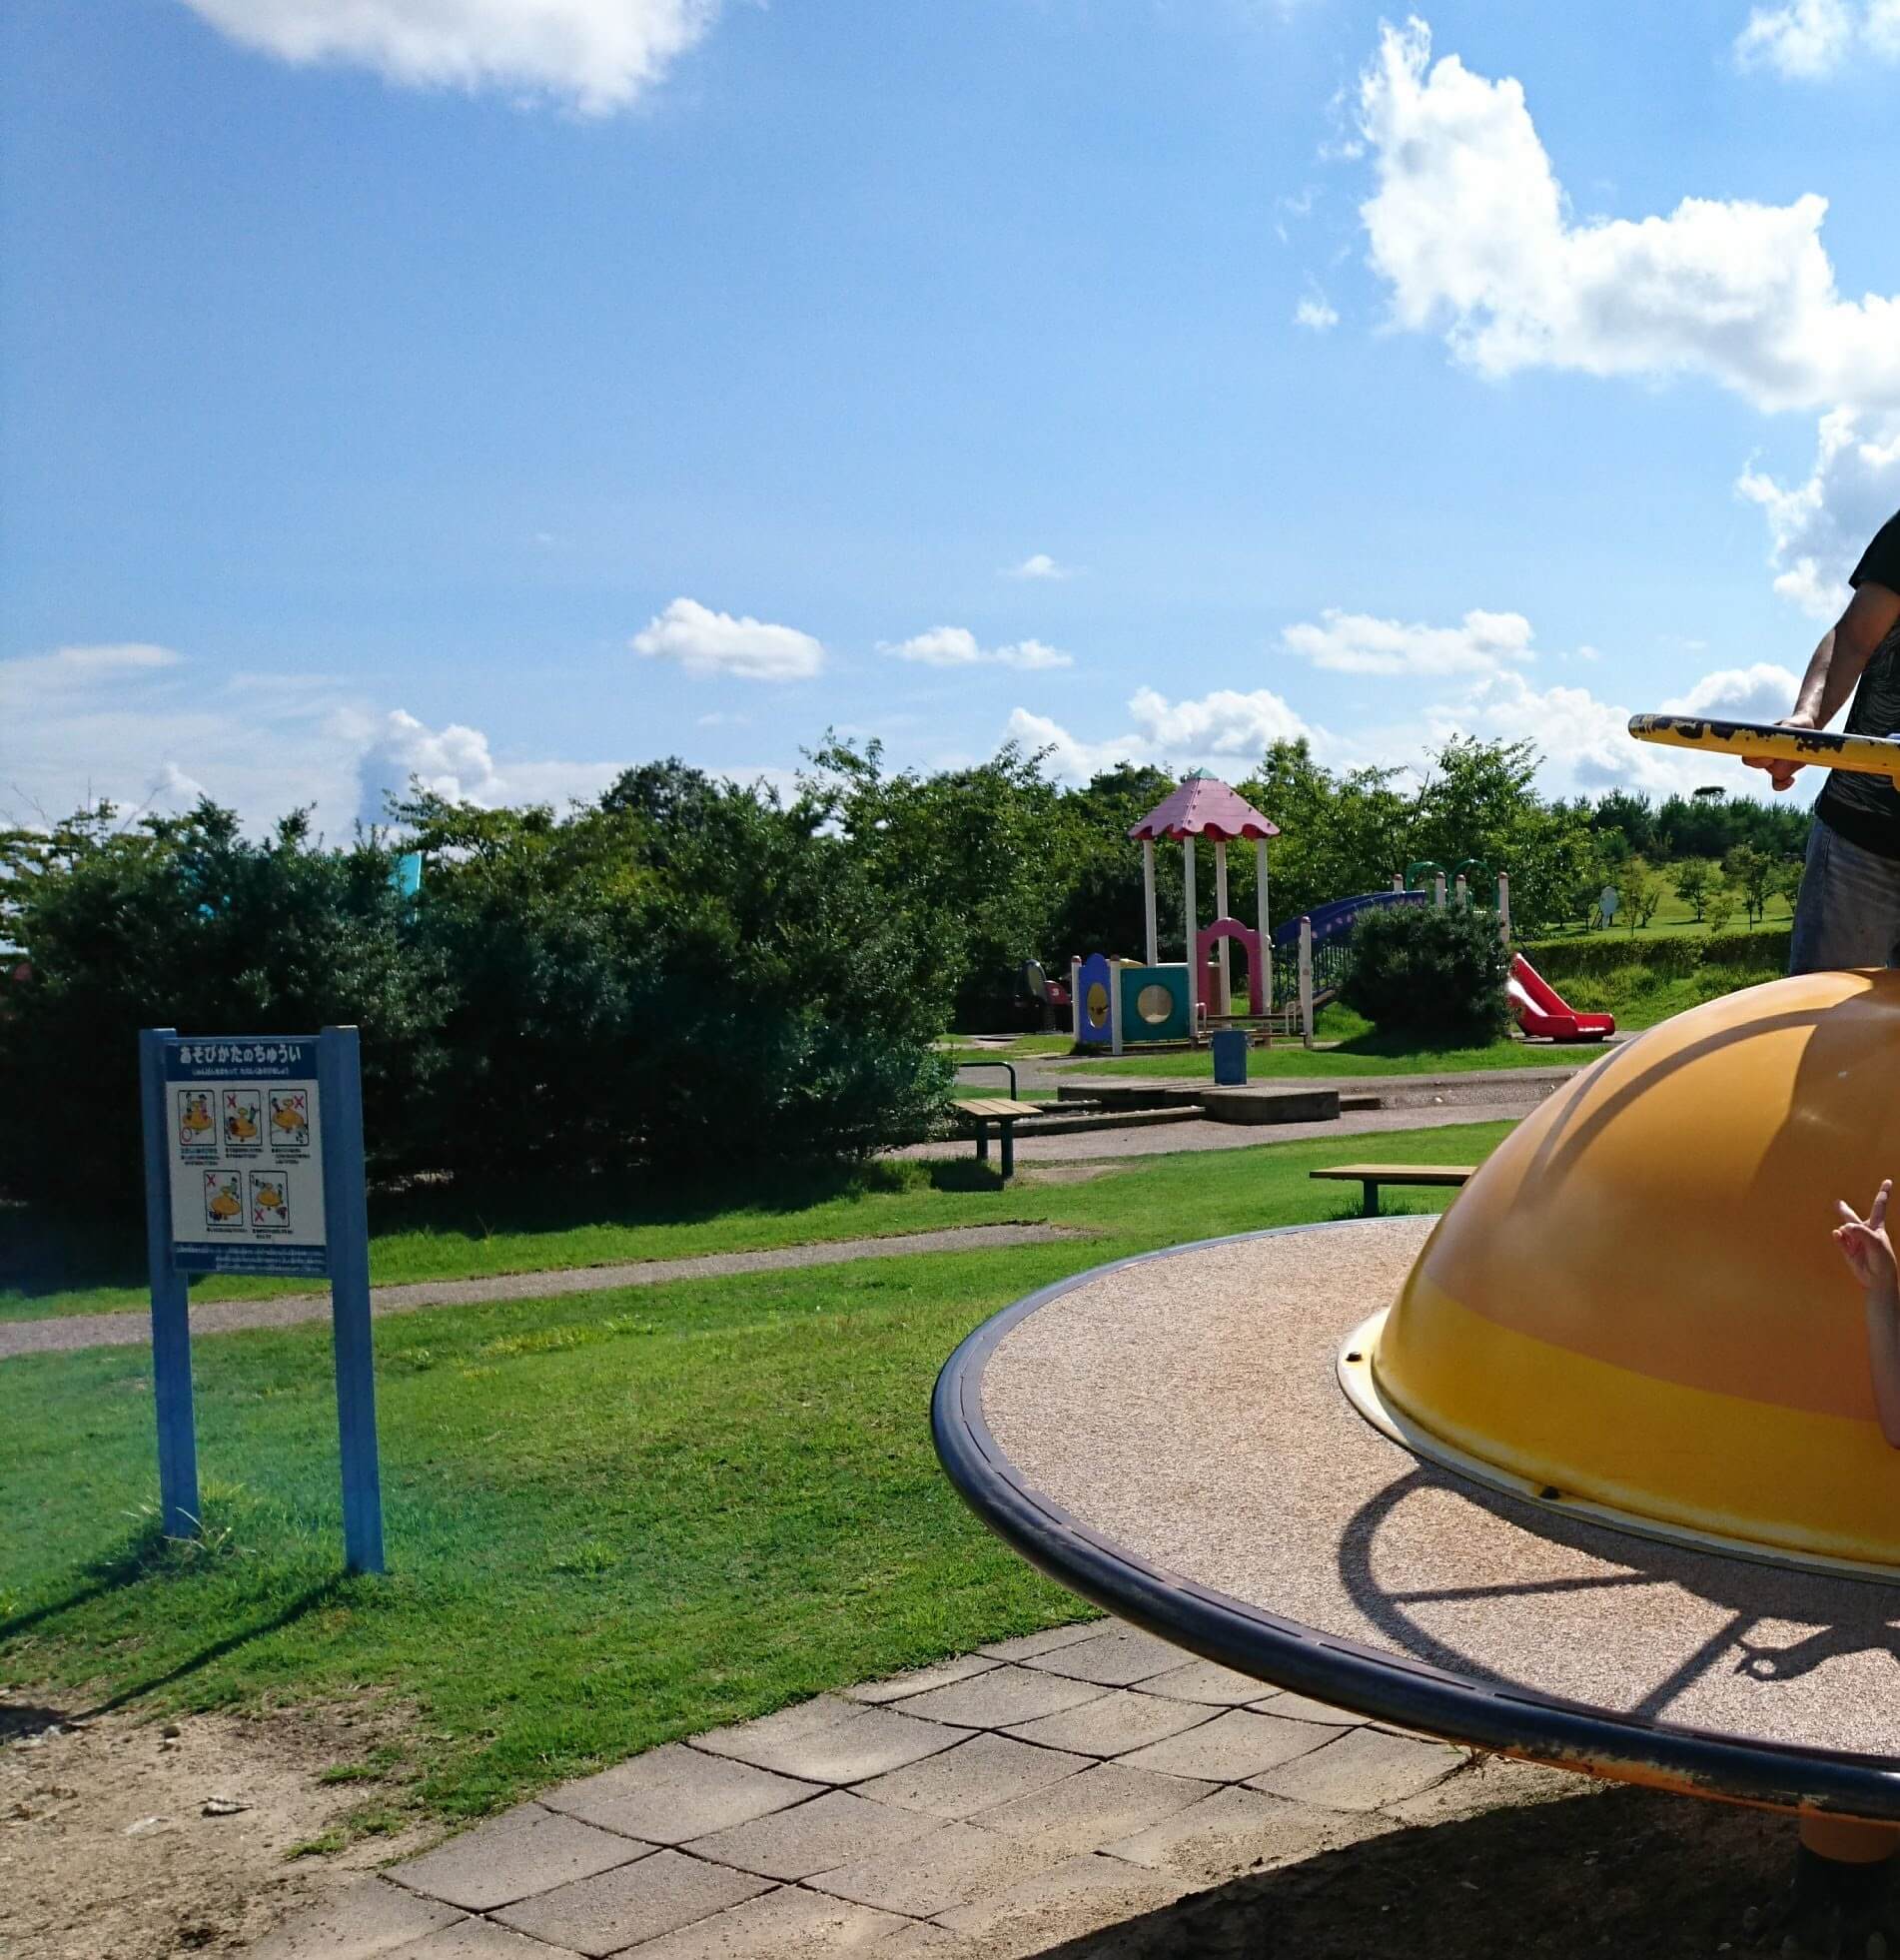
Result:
[
  {"x": 821, "y": 1835},
  {"x": 975, "y": 1775},
  {"x": 1081, "y": 1812},
  {"x": 1232, "y": 1747},
  {"x": 1002, "y": 1697},
  {"x": 1239, "y": 1829},
  {"x": 481, "y": 1939},
  {"x": 949, "y": 1868},
  {"x": 1114, "y": 1723},
  {"x": 363, "y": 1920},
  {"x": 831, "y": 1740},
  {"x": 1000, "y": 1805},
  {"x": 1208, "y": 1681},
  {"x": 1030, "y": 1646},
  {"x": 921, "y": 1679},
  {"x": 1076, "y": 1897},
  {"x": 673, "y": 1793},
  {"x": 1119, "y": 1658},
  {"x": 788, "y": 1924},
  {"x": 525, "y": 1850},
  {"x": 621, "y": 1908},
  {"x": 61, "y": 1334},
  {"x": 1363, "y": 1770}
]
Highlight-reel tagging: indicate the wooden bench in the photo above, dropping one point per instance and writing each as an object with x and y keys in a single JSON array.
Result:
[
  {"x": 1004, "y": 1114},
  {"x": 1371, "y": 1176}
]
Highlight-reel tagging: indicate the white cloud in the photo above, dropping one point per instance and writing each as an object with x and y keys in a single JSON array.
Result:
[
  {"x": 456, "y": 763},
  {"x": 1472, "y": 229},
  {"x": 1808, "y": 40},
  {"x": 1804, "y": 39},
  {"x": 1819, "y": 528},
  {"x": 1315, "y": 312},
  {"x": 1224, "y": 726},
  {"x": 1039, "y": 564},
  {"x": 146, "y": 728},
  {"x": 957, "y": 647},
  {"x": 708, "y": 642},
  {"x": 1763, "y": 692},
  {"x": 1356, "y": 643},
  {"x": 596, "y": 54}
]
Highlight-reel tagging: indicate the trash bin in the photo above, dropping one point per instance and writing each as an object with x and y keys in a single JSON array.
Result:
[{"x": 1229, "y": 1056}]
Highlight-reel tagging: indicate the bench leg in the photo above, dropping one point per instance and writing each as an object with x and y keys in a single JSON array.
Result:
[
  {"x": 1368, "y": 1198},
  {"x": 1009, "y": 1150},
  {"x": 982, "y": 1143}
]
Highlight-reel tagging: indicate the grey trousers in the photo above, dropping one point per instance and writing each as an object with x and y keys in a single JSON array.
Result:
[{"x": 1848, "y": 913}]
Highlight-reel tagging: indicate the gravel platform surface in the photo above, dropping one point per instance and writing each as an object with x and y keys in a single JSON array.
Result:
[{"x": 1187, "y": 1409}]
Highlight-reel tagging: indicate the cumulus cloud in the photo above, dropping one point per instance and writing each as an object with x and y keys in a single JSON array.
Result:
[
  {"x": 1807, "y": 40},
  {"x": 1763, "y": 692},
  {"x": 598, "y": 54},
  {"x": 1356, "y": 643},
  {"x": 957, "y": 647},
  {"x": 1471, "y": 229},
  {"x": 1226, "y": 725},
  {"x": 148, "y": 728},
  {"x": 707, "y": 642},
  {"x": 1039, "y": 564},
  {"x": 1315, "y": 313},
  {"x": 1819, "y": 528}
]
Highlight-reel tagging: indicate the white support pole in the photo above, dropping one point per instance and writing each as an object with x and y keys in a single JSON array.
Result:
[
  {"x": 1266, "y": 937},
  {"x": 1438, "y": 890},
  {"x": 1397, "y": 881},
  {"x": 1147, "y": 900},
  {"x": 1224, "y": 997},
  {"x": 1504, "y": 906},
  {"x": 1463, "y": 893},
  {"x": 1115, "y": 1007},
  {"x": 1187, "y": 886},
  {"x": 1074, "y": 999},
  {"x": 1306, "y": 979}
]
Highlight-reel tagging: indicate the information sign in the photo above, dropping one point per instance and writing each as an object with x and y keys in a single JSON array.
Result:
[
  {"x": 244, "y": 1148},
  {"x": 254, "y": 1164}
]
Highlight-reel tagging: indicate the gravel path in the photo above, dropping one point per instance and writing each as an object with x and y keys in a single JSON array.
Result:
[
  {"x": 133, "y": 1330},
  {"x": 1157, "y": 1141}
]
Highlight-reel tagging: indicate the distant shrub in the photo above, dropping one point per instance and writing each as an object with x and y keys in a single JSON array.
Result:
[{"x": 1417, "y": 969}]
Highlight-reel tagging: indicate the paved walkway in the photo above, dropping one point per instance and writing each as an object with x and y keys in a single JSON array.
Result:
[
  {"x": 1083, "y": 1782},
  {"x": 62, "y": 1334},
  {"x": 1158, "y": 1140}
]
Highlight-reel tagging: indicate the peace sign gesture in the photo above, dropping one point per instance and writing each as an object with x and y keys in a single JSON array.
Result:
[{"x": 1864, "y": 1241}]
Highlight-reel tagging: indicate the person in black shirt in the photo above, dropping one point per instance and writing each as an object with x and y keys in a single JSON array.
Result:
[{"x": 1848, "y": 913}]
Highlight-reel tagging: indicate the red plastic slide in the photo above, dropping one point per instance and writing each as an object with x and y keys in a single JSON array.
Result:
[{"x": 1542, "y": 1010}]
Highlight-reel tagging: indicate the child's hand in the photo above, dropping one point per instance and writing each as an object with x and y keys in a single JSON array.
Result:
[{"x": 1865, "y": 1244}]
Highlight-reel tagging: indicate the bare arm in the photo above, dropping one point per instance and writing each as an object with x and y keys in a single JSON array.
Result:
[
  {"x": 1836, "y": 665},
  {"x": 1869, "y": 1254}
]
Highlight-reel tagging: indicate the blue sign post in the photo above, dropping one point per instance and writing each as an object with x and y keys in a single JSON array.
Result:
[{"x": 254, "y": 1164}]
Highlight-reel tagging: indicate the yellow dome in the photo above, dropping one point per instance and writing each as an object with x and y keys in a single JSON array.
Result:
[{"x": 1636, "y": 1302}]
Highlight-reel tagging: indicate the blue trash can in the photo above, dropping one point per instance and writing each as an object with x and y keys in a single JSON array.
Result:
[{"x": 1229, "y": 1057}]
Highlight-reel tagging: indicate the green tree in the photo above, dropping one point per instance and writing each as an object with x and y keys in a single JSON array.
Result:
[
  {"x": 1752, "y": 873},
  {"x": 1693, "y": 879},
  {"x": 1640, "y": 892}
]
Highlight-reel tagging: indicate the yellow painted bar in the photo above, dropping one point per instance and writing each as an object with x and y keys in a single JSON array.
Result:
[{"x": 1872, "y": 755}]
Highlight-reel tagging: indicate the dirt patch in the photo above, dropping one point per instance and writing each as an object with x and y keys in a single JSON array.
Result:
[{"x": 132, "y": 1837}]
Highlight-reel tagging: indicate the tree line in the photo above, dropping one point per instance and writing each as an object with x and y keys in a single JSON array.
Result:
[{"x": 687, "y": 971}]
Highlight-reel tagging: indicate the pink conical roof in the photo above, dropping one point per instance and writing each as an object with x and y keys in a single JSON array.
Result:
[{"x": 1203, "y": 806}]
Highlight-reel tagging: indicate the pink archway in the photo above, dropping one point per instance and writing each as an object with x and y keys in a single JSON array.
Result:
[{"x": 1204, "y": 943}]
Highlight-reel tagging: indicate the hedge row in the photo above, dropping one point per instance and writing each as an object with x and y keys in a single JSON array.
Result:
[{"x": 1668, "y": 958}]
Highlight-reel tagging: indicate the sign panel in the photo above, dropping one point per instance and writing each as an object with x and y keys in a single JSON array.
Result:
[{"x": 244, "y": 1152}]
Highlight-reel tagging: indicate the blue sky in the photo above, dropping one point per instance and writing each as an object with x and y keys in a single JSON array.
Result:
[{"x": 512, "y": 390}]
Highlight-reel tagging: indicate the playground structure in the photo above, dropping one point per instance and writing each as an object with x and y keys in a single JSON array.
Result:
[{"x": 1604, "y": 1485}]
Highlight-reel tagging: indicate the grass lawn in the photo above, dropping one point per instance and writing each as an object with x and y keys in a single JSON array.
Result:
[
  {"x": 1360, "y": 1050},
  {"x": 1676, "y": 920},
  {"x": 612, "y": 1519},
  {"x": 443, "y": 1234}
]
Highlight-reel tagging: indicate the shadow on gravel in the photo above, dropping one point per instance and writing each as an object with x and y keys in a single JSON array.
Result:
[{"x": 1623, "y": 1873}]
